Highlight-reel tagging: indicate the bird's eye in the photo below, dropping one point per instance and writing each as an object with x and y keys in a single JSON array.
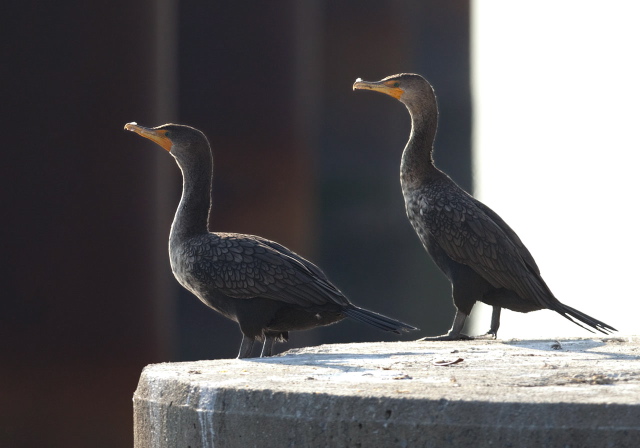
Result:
[
  {"x": 396, "y": 84},
  {"x": 167, "y": 134}
]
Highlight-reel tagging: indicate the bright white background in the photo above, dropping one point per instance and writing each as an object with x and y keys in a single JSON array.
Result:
[{"x": 556, "y": 151}]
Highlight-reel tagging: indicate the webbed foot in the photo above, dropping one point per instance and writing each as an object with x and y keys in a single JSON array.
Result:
[
  {"x": 489, "y": 335},
  {"x": 448, "y": 337},
  {"x": 455, "y": 334}
]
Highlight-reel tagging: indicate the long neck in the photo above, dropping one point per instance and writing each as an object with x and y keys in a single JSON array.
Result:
[
  {"x": 192, "y": 216},
  {"x": 417, "y": 160}
]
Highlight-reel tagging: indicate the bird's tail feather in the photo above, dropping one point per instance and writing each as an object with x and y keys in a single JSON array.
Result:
[
  {"x": 377, "y": 320},
  {"x": 574, "y": 315}
]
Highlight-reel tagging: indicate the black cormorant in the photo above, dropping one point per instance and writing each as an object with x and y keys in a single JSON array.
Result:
[
  {"x": 263, "y": 286},
  {"x": 480, "y": 254}
]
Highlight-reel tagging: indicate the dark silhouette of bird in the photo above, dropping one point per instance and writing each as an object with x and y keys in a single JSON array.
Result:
[
  {"x": 263, "y": 286},
  {"x": 480, "y": 254}
]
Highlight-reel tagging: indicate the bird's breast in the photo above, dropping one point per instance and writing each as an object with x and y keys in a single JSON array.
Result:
[
  {"x": 192, "y": 265},
  {"x": 195, "y": 268},
  {"x": 416, "y": 208},
  {"x": 418, "y": 204}
]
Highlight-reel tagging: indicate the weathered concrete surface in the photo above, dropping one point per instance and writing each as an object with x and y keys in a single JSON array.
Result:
[{"x": 534, "y": 393}]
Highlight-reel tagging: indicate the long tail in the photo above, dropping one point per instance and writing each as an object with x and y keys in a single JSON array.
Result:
[
  {"x": 573, "y": 315},
  {"x": 377, "y": 320}
]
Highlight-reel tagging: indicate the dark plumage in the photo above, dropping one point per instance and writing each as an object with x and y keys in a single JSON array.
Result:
[
  {"x": 482, "y": 257},
  {"x": 258, "y": 283}
]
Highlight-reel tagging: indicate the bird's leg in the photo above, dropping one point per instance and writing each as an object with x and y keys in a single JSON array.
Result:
[
  {"x": 495, "y": 324},
  {"x": 267, "y": 348},
  {"x": 246, "y": 347},
  {"x": 455, "y": 334},
  {"x": 495, "y": 321}
]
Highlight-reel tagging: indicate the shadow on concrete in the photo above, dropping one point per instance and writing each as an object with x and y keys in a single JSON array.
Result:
[
  {"x": 573, "y": 345},
  {"x": 343, "y": 361}
]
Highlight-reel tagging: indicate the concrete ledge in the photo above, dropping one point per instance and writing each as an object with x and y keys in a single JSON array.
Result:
[{"x": 575, "y": 393}]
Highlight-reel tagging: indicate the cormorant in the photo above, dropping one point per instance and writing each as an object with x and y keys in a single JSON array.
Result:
[
  {"x": 480, "y": 254},
  {"x": 263, "y": 286}
]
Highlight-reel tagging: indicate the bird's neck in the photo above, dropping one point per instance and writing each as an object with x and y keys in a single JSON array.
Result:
[
  {"x": 192, "y": 216},
  {"x": 417, "y": 161}
]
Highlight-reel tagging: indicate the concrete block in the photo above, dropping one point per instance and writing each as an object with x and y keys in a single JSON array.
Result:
[{"x": 534, "y": 393}]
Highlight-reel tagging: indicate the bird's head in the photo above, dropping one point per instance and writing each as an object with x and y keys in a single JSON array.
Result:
[
  {"x": 408, "y": 88},
  {"x": 180, "y": 140}
]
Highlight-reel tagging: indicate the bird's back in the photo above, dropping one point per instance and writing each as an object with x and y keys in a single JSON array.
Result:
[
  {"x": 455, "y": 227},
  {"x": 246, "y": 266}
]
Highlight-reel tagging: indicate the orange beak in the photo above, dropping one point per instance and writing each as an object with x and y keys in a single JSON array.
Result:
[
  {"x": 386, "y": 87},
  {"x": 155, "y": 135}
]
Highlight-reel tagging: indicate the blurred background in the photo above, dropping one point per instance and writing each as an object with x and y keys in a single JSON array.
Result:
[{"x": 88, "y": 298}]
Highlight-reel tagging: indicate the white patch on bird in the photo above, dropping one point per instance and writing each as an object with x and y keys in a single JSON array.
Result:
[
  {"x": 359, "y": 80},
  {"x": 318, "y": 316}
]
